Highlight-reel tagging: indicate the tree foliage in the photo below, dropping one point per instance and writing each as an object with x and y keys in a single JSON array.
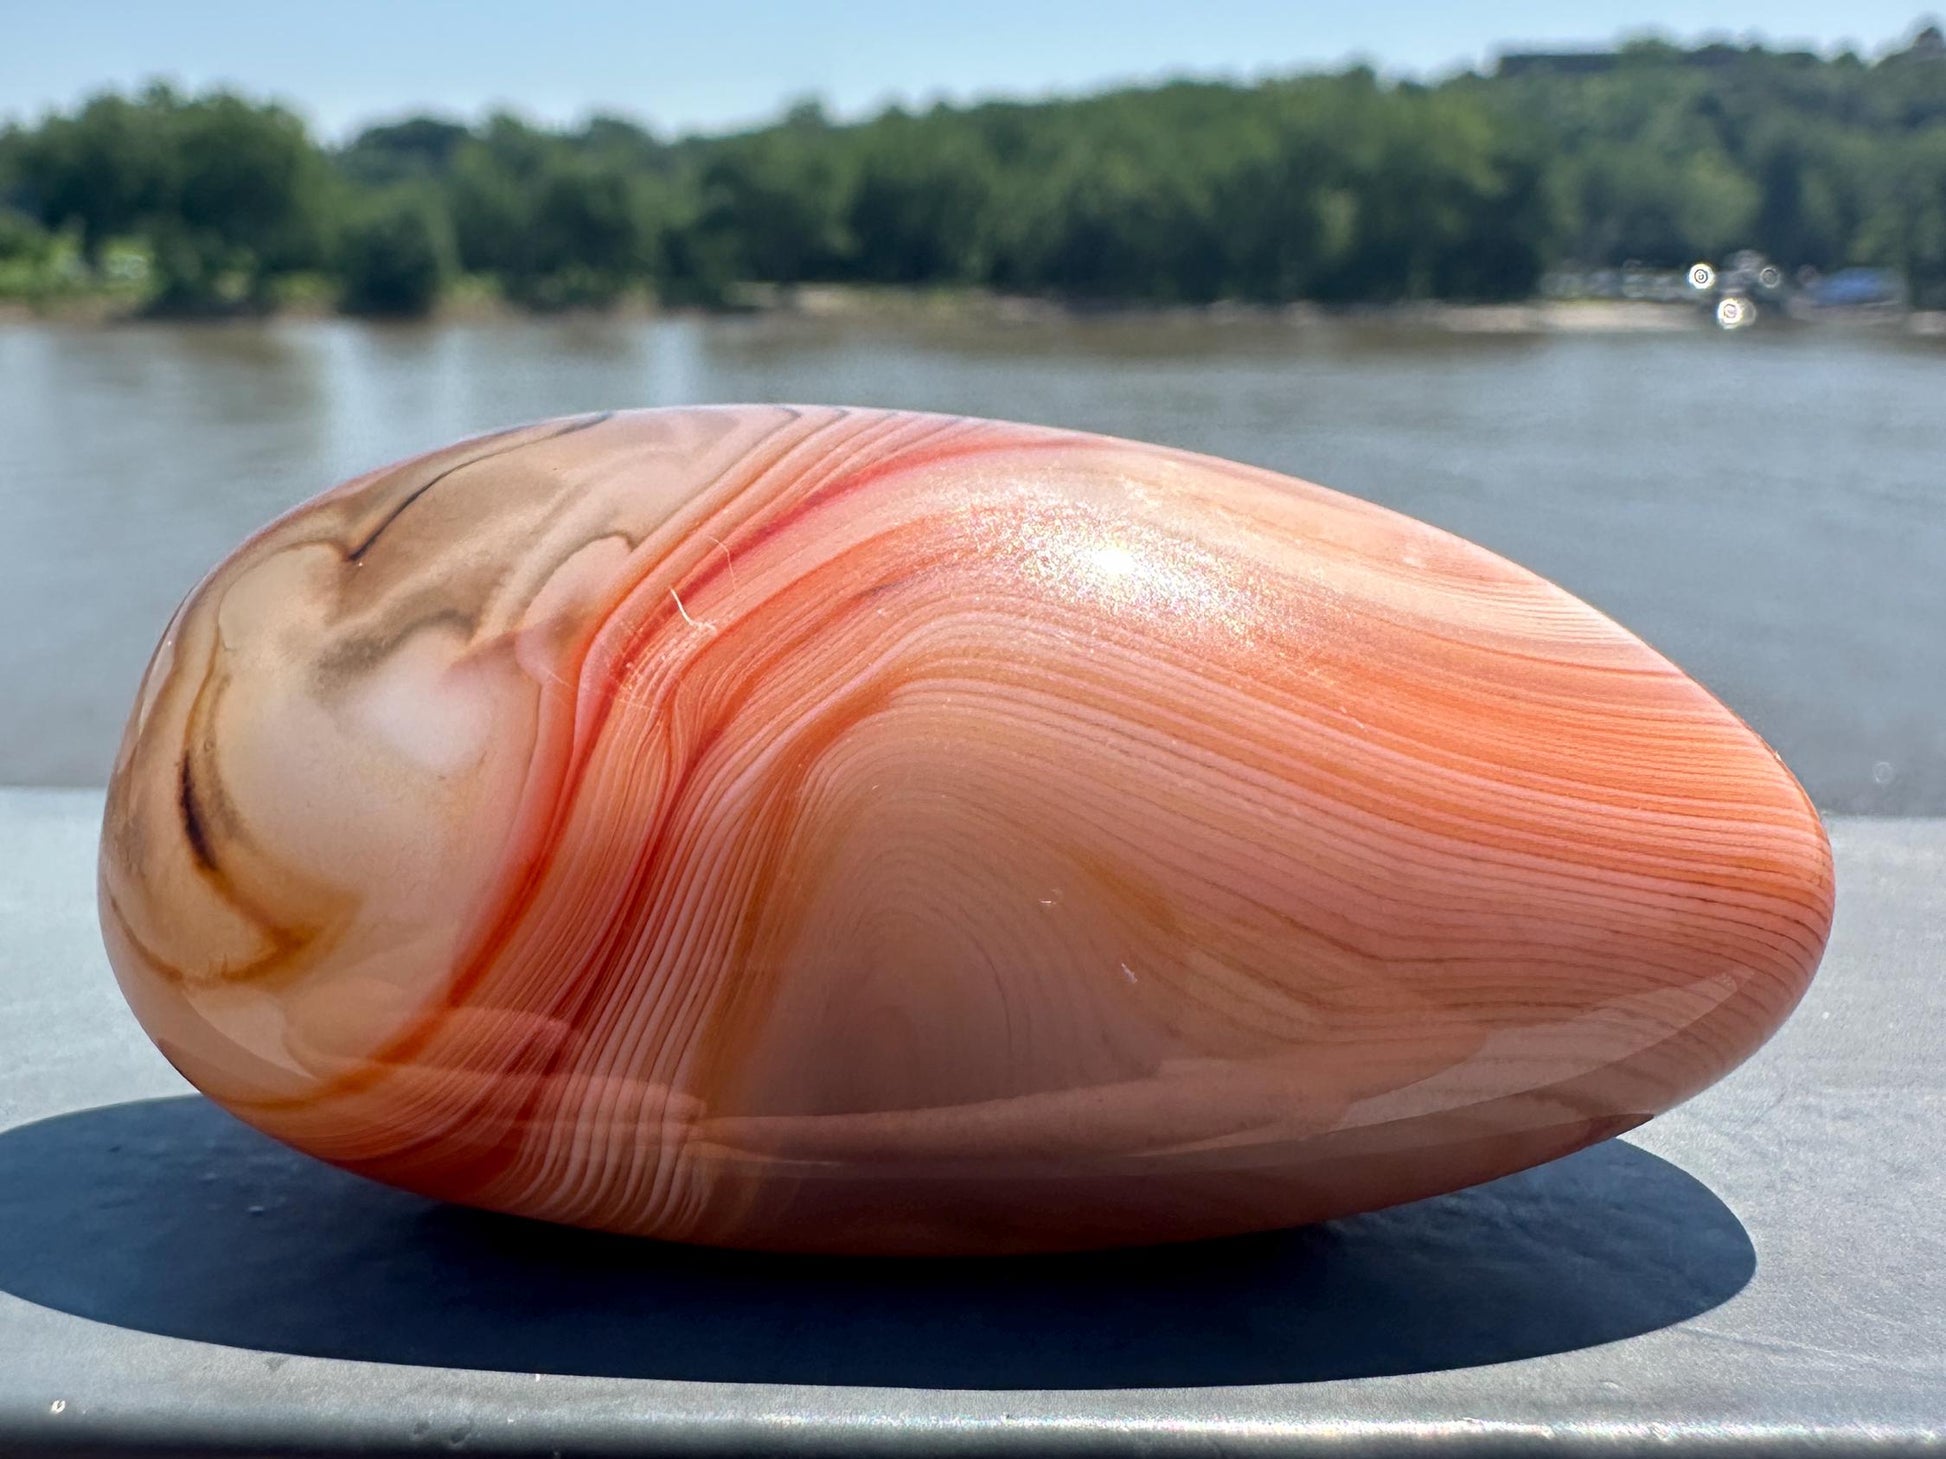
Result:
[
  {"x": 396, "y": 253},
  {"x": 1341, "y": 188}
]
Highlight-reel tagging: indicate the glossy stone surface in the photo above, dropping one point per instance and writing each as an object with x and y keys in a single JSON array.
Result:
[{"x": 847, "y": 830}]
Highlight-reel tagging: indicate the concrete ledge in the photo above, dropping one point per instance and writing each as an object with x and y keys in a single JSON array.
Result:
[{"x": 1761, "y": 1272}]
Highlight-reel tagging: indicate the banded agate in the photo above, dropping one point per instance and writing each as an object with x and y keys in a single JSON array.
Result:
[{"x": 857, "y": 831}]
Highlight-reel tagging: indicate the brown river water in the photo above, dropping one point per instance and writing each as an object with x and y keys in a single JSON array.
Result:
[{"x": 1767, "y": 508}]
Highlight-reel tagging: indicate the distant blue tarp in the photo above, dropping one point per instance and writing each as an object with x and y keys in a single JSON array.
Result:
[{"x": 1855, "y": 286}]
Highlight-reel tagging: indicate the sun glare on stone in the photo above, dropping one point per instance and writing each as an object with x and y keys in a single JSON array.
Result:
[{"x": 1112, "y": 561}]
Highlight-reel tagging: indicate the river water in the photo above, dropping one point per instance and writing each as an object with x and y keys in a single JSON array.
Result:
[{"x": 1769, "y": 509}]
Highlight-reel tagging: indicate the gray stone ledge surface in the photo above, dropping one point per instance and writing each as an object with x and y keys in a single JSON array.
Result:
[{"x": 1762, "y": 1271}]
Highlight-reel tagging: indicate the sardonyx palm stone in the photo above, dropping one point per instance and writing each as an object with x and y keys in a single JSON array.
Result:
[{"x": 859, "y": 831}]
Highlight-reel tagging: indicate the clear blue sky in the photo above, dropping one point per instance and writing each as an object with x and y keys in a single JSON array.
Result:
[{"x": 711, "y": 64}]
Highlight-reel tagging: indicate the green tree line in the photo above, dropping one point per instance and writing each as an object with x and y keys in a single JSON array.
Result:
[{"x": 1337, "y": 187}]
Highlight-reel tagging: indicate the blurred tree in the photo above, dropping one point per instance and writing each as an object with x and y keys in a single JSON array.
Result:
[
  {"x": 1338, "y": 187},
  {"x": 773, "y": 205},
  {"x": 921, "y": 202},
  {"x": 593, "y": 234},
  {"x": 494, "y": 178},
  {"x": 560, "y": 220},
  {"x": 105, "y": 171},
  {"x": 248, "y": 201},
  {"x": 1907, "y": 231},
  {"x": 396, "y": 254},
  {"x": 417, "y": 147}
]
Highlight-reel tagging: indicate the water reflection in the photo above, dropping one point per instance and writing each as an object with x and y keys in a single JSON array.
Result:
[{"x": 1764, "y": 507}]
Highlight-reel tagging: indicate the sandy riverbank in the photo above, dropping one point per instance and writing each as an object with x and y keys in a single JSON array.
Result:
[{"x": 874, "y": 305}]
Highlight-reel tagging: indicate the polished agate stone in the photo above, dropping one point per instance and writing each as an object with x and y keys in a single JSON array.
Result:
[{"x": 858, "y": 831}]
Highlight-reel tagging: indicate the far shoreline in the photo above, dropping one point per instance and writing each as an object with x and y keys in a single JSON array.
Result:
[{"x": 851, "y": 304}]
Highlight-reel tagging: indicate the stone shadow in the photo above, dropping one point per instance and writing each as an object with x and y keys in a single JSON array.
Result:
[{"x": 170, "y": 1217}]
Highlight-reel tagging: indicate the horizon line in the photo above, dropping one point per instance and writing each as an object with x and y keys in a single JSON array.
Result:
[{"x": 918, "y": 102}]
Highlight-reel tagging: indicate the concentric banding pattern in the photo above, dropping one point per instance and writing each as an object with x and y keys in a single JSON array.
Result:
[{"x": 856, "y": 830}]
